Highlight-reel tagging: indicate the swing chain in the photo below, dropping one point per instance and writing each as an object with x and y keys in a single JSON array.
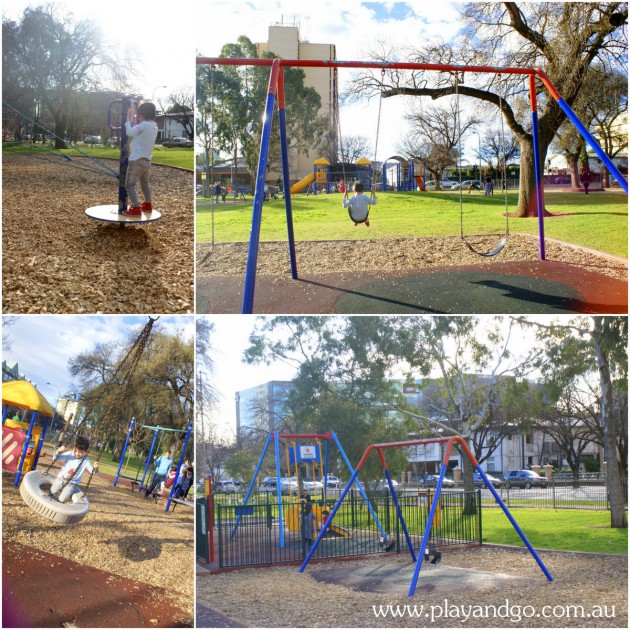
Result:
[
  {"x": 504, "y": 239},
  {"x": 126, "y": 368},
  {"x": 378, "y": 121}
]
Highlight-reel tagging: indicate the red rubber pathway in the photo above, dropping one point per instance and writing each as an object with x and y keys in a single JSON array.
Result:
[
  {"x": 41, "y": 590},
  {"x": 502, "y": 288}
]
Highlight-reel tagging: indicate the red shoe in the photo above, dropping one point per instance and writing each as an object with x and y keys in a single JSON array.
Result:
[
  {"x": 134, "y": 211},
  {"x": 147, "y": 206}
]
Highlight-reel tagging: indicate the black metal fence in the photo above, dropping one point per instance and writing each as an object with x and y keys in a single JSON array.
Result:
[
  {"x": 251, "y": 535},
  {"x": 559, "y": 493}
]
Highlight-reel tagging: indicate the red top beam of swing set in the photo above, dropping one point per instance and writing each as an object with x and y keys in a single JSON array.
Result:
[
  {"x": 451, "y": 442},
  {"x": 384, "y": 65},
  {"x": 304, "y": 436}
]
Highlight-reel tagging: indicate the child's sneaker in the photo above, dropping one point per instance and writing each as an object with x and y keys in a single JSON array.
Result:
[
  {"x": 147, "y": 206},
  {"x": 133, "y": 211}
]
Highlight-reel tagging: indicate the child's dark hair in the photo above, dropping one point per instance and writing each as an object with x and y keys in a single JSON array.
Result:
[
  {"x": 81, "y": 443},
  {"x": 358, "y": 187},
  {"x": 147, "y": 110}
]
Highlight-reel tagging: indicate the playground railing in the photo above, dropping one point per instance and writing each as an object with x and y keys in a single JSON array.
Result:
[
  {"x": 354, "y": 531},
  {"x": 560, "y": 493}
]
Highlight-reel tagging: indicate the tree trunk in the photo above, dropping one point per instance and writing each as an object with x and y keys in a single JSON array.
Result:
[
  {"x": 470, "y": 506},
  {"x": 618, "y": 516},
  {"x": 526, "y": 206}
]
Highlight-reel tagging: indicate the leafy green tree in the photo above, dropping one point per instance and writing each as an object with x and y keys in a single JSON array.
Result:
[
  {"x": 595, "y": 347},
  {"x": 158, "y": 392},
  {"x": 231, "y": 102}
]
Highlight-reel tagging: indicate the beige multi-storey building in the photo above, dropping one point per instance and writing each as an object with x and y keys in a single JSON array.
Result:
[{"x": 285, "y": 42}]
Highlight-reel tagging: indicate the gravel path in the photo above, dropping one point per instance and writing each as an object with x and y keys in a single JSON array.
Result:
[
  {"x": 282, "y": 597},
  {"x": 57, "y": 260}
]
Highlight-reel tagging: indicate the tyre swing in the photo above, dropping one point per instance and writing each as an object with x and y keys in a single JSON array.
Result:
[
  {"x": 113, "y": 213},
  {"x": 35, "y": 492},
  {"x": 36, "y": 484},
  {"x": 503, "y": 240}
]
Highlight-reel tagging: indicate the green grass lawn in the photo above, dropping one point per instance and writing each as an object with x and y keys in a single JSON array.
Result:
[
  {"x": 598, "y": 221},
  {"x": 182, "y": 158},
  {"x": 567, "y": 530}
]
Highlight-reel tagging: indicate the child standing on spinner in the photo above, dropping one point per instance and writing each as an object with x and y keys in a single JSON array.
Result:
[
  {"x": 143, "y": 137},
  {"x": 359, "y": 205}
]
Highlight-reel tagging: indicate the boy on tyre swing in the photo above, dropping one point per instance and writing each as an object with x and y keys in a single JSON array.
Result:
[{"x": 74, "y": 464}]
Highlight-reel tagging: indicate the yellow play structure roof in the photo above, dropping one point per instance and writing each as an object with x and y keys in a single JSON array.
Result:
[{"x": 23, "y": 394}]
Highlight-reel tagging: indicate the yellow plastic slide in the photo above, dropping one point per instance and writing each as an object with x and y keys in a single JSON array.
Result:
[{"x": 302, "y": 184}]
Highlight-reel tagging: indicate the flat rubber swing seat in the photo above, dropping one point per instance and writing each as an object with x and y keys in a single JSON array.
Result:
[
  {"x": 110, "y": 214},
  {"x": 34, "y": 490}
]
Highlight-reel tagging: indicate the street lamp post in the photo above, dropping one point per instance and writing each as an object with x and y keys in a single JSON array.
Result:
[
  {"x": 155, "y": 89},
  {"x": 58, "y": 397}
]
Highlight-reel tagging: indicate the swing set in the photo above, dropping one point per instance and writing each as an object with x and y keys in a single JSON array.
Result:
[
  {"x": 276, "y": 93},
  {"x": 422, "y": 554},
  {"x": 311, "y": 455},
  {"x": 156, "y": 441}
]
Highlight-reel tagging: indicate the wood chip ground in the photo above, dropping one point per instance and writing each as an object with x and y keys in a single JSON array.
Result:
[
  {"x": 282, "y": 597},
  {"x": 394, "y": 254},
  {"x": 57, "y": 260},
  {"x": 122, "y": 534}
]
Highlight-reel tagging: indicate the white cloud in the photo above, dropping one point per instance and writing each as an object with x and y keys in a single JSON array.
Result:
[{"x": 354, "y": 28}]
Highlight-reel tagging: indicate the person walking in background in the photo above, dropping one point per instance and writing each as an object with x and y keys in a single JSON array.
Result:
[{"x": 585, "y": 180}]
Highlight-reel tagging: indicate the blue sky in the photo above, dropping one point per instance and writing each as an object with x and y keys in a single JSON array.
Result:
[
  {"x": 43, "y": 344},
  {"x": 354, "y": 28}
]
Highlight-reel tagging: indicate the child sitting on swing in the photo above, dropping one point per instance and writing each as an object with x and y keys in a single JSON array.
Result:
[
  {"x": 359, "y": 205},
  {"x": 75, "y": 463}
]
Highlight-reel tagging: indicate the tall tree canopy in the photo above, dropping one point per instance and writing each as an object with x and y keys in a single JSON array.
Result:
[
  {"x": 160, "y": 391},
  {"x": 48, "y": 57},
  {"x": 562, "y": 38},
  {"x": 231, "y": 101}
]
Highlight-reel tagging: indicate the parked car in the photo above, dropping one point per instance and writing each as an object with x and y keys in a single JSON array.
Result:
[
  {"x": 93, "y": 140},
  {"x": 480, "y": 483},
  {"x": 332, "y": 481},
  {"x": 445, "y": 184},
  {"x": 431, "y": 480},
  {"x": 524, "y": 479},
  {"x": 178, "y": 142},
  {"x": 269, "y": 484},
  {"x": 381, "y": 485},
  {"x": 225, "y": 486},
  {"x": 312, "y": 486},
  {"x": 114, "y": 141},
  {"x": 467, "y": 184},
  {"x": 288, "y": 486}
]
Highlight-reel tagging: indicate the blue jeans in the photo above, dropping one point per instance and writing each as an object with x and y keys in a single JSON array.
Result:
[{"x": 155, "y": 482}]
